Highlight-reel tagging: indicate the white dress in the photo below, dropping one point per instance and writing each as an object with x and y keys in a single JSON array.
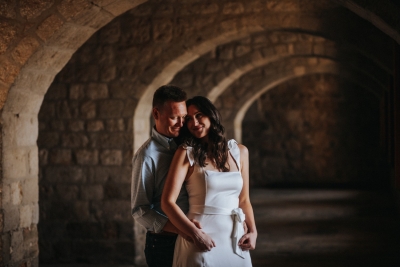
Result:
[{"x": 214, "y": 202}]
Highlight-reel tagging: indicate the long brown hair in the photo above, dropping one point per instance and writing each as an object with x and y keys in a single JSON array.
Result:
[{"x": 217, "y": 144}]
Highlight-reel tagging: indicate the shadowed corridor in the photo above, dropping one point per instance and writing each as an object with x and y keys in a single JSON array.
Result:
[{"x": 343, "y": 228}]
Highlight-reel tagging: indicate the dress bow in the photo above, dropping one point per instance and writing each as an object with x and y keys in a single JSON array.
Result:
[{"x": 238, "y": 230}]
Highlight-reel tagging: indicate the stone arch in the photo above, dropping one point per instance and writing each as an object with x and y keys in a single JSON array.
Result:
[
  {"x": 232, "y": 119},
  {"x": 24, "y": 100}
]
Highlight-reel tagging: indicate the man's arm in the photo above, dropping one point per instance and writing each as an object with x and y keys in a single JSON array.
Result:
[{"x": 142, "y": 190}]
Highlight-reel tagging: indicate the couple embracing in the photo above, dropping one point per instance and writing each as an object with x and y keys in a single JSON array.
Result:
[{"x": 193, "y": 199}]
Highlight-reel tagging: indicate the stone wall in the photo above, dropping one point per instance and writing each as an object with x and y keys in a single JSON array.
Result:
[
  {"x": 314, "y": 131},
  {"x": 85, "y": 153},
  {"x": 85, "y": 122}
]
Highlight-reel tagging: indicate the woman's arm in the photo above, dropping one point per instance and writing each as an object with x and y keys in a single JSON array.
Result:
[
  {"x": 248, "y": 240},
  {"x": 173, "y": 184}
]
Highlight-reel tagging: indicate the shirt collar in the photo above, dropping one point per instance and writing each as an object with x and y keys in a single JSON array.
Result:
[{"x": 166, "y": 142}]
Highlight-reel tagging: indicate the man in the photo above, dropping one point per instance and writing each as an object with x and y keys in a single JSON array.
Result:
[{"x": 150, "y": 167}]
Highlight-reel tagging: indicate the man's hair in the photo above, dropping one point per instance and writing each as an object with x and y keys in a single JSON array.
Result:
[{"x": 168, "y": 93}]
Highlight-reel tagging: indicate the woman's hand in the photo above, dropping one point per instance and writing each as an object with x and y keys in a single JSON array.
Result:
[
  {"x": 203, "y": 241},
  {"x": 248, "y": 241}
]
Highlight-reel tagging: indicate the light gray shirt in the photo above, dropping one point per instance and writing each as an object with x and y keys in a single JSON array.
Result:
[{"x": 150, "y": 168}]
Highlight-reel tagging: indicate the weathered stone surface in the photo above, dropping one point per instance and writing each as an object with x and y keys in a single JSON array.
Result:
[
  {"x": 92, "y": 192},
  {"x": 95, "y": 126},
  {"x": 8, "y": 70},
  {"x": 76, "y": 125},
  {"x": 31, "y": 9},
  {"x": 60, "y": 156},
  {"x": 87, "y": 157},
  {"x": 61, "y": 174},
  {"x": 111, "y": 157},
  {"x": 97, "y": 91},
  {"x": 30, "y": 191},
  {"x": 71, "y": 8},
  {"x": 88, "y": 110},
  {"x": 49, "y": 26},
  {"x": 25, "y": 49},
  {"x": 25, "y": 215}
]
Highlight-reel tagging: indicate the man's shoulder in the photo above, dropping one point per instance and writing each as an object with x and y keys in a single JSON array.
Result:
[{"x": 147, "y": 149}]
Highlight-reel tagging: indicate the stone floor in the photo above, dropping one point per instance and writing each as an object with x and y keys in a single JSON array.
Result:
[
  {"x": 330, "y": 228},
  {"x": 338, "y": 228}
]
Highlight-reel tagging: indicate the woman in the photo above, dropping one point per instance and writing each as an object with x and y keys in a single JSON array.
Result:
[{"x": 216, "y": 175}]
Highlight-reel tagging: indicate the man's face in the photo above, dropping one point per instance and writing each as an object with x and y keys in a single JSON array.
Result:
[{"x": 170, "y": 118}]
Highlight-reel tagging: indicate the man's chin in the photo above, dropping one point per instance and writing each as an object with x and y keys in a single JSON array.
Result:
[{"x": 174, "y": 134}]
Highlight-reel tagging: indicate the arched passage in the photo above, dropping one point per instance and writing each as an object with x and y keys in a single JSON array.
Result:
[{"x": 21, "y": 108}]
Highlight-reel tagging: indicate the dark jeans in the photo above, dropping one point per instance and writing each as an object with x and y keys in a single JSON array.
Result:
[{"x": 159, "y": 250}]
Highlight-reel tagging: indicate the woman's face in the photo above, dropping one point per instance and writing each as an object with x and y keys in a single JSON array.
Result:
[{"x": 197, "y": 123}]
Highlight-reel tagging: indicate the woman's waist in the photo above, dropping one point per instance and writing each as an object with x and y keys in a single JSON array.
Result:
[{"x": 212, "y": 209}]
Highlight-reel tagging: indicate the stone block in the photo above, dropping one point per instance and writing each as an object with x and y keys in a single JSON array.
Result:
[
  {"x": 163, "y": 30},
  {"x": 77, "y": 91},
  {"x": 35, "y": 213},
  {"x": 281, "y": 49},
  {"x": 48, "y": 139},
  {"x": 60, "y": 156},
  {"x": 95, "y": 126},
  {"x": 11, "y": 218},
  {"x": 57, "y": 125},
  {"x": 115, "y": 125},
  {"x": 107, "y": 73},
  {"x": 33, "y": 161},
  {"x": 110, "y": 108},
  {"x": 92, "y": 192},
  {"x": 120, "y": 6},
  {"x": 232, "y": 8},
  {"x": 93, "y": 17},
  {"x": 76, "y": 125},
  {"x": 7, "y": 9},
  {"x": 81, "y": 210},
  {"x": 97, "y": 91},
  {"x": 49, "y": 26},
  {"x": 57, "y": 91},
  {"x": 117, "y": 174},
  {"x": 15, "y": 163},
  {"x": 31, "y": 248},
  {"x": 30, "y": 9},
  {"x": 71, "y": 8},
  {"x": 106, "y": 140},
  {"x": 87, "y": 157},
  {"x": 241, "y": 50},
  {"x": 88, "y": 110},
  {"x": 111, "y": 32},
  {"x": 74, "y": 140},
  {"x": 30, "y": 191},
  {"x": 9, "y": 31},
  {"x": 111, "y": 157},
  {"x": 8, "y": 71},
  {"x": 112, "y": 210},
  {"x": 64, "y": 110},
  {"x": 23, "y": 102},
  {"x": 67, "y": 193},
  {"x": 70, "y": 36},
  {"x": 43, "y": 157},
  {"x": 16, "y": 248},
  {"x": 25, "y": 213},
  {"x": 16, "y": 193},
  {"x": 62, "y": 174},
  {"x": 25, "y": 49}
]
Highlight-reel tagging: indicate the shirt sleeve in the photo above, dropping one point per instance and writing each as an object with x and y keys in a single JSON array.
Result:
[{"x": 142, "y": 190}]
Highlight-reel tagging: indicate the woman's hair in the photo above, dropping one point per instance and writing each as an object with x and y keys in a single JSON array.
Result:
[{"x": 216, "y": 140}]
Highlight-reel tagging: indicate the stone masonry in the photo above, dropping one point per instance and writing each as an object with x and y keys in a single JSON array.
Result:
[{"x": 69, "y": 130}]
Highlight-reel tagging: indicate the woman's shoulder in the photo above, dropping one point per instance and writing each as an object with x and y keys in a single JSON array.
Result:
[
  {"x": 187, "y": 151},
  {"x": 233, "y": 144}
]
